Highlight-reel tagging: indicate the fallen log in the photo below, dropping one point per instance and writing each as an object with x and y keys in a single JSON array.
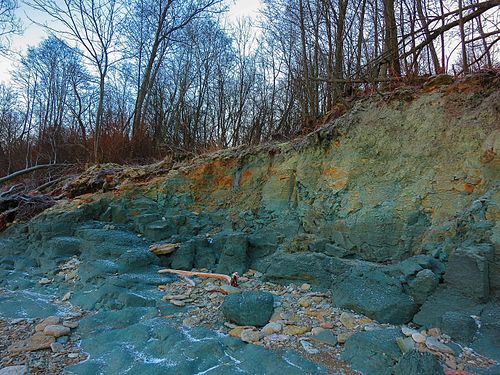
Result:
[
  {"x": 28, "y": 170},
  {"x": 231, "y": 280}
]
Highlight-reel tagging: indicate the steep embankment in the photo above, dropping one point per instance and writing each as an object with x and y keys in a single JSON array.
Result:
[{"x": 393, "y": 207}]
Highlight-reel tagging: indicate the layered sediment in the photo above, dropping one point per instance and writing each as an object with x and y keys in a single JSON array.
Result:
[{"x": 393, "y": 209}]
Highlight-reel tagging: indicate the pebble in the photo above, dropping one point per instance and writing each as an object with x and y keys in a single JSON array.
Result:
[
  {"x": 294, "y": 330},
  {"x": 436, "y": 332},
  {"x": 348, "y": 320},
  {"x": 327, "y": 325},
  {"x": 342, "y": 337},
  {"x": 305, "y": 287},
  {"x": 276, "y": 337},
  {"x": 308, "y": 347},
  {"x": 407, "y": 331},
  {"x": 73, "y": 355},
  {"x": 44, "y": 281},
  {"x": 249, "y": 335},
  {"x": 57, "y": 347},
  {"x": 56, "y": 330},
  {"x": 304, "y": 302},
  {"x": 236, "y": 332},
  {"x": 418, "y": 337},
  {"x": 432, "y": 343},
  {"x": 270, "y": 328},
  {"x": 66, "y": 297},
  {"x": 18, "y": 320}
]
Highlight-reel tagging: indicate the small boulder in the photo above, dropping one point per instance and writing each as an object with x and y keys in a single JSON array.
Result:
[
  {"x": 416, "y": 363},
  {"x": 378, "y": 346},
  {"x": 459, "y": 326},
  {"x": 375, "y": 295},
  {"x": 253, "y": 308},
  {"x": 423, "y": 285}
]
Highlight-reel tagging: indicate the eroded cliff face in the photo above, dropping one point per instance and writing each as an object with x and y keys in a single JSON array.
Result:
[{"x": 393, "y": 207}]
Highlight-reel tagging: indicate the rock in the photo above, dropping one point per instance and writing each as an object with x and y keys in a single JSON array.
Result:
[
  {"x": 434, "y": 344},
  {"x": 18, "y": 320},
  {"x": 236, "y": 331},
  {"x": 62, "y": 340},
  {"x": 294, "y": 330},
  {"x": 348, "y": 320},
  {"x": 233, "y": 255},
  {"x": 467, "y": 271},
  {"x": 343, "y": 337},
  {"x": 308, "y": 347},
  {"x": 418, "y": 337},
  {"x": 44, "y": 281},
  {"x": 57, "y": 347},
  {"x": 36, "y": 342},
  {"x": 407, "y": 331},
  {"x": 70, "y": 324},
  {"x": 51, "y": 320},
  {"x": 249, "y": 335},
  {"x": 253, "y": 308},
  {"x": 436, "y": 332},
  {"x": 305, "y": 287},
  {"x": 442, "y": 301},
  {"x": 228, "y": 289},
  {"x": 423, "y": 285},
  {"x": 73, "y": 355},
  {"x": 178, "y": 303},
  {"x": 275, "y": 337},
  {"x": 375, "y": 295},
  {"x": 164, "y": 249},
  {"x": 271, "y": 328},
  {"x": 378, "y": 346},
  {"x": 327, "y": 325},
  {"x": 459, "y": 326},
  {"x": 305, "y": 302},
  {"x": 326, "y": 337},
  {"x": 56, "y": 330},
  {"x": 405, "y": 344},
  {"x": 416, "y": 363},
  {"x": 66, "y": 297},
  {"x": 14, "y": 370}
]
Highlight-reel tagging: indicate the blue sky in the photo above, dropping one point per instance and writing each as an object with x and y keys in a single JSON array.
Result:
[{"x": 33, "y": 34}]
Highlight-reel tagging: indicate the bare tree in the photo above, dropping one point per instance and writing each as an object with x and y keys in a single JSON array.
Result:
[
  {"x": 92, "y": 24},
  {"x": 9, "y": 23}
]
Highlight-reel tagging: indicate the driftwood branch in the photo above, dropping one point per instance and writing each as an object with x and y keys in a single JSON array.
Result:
[
  {"x": 28, "y": 170},
  {"x": 231, "y": 280}
]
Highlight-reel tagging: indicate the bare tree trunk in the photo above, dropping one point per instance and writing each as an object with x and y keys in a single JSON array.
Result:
[
  {"x": 465, "y": 65},
  {"x": 425, "y": 26},
  {"x": 391, "y": 50}
]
